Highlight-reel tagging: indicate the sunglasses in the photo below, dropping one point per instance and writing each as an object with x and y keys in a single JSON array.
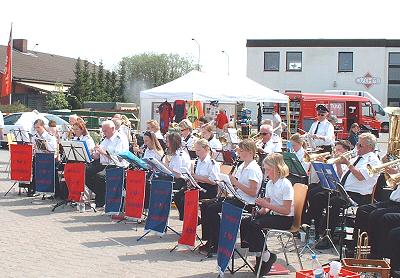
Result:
[
  {"x": 321, "y": 114},
  {"x": 264, "y": 133}
]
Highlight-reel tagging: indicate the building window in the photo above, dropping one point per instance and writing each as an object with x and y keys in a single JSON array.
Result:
[
  {"x": 394, "y": 59},
  {"x": 271, "y": 61},
  {"x": 293, "y": 61},
  {"x": 394, "y": 79},
  {"x": 345, "y": 63}
]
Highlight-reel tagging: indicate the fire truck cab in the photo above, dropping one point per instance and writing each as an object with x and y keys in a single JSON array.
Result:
[{"x": 344, "y": 110}]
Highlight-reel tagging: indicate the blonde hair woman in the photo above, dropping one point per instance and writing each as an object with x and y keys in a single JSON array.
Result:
[
  {"x": 298, "y": 145},
  {"x": 276, "y": 211}
]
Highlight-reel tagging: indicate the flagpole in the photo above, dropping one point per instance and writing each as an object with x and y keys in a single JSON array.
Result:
[{"x": 12, "y": 46}]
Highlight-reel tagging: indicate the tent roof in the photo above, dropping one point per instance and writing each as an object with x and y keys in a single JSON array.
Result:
[{"x": 206, "y": 87}]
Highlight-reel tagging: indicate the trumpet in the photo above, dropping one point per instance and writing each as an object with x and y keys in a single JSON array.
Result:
[
  {"x": 315, "y": 156},
  {"x": 223, "y": 140},
  {"x": 348, "y": 155},
  {"x": 381, "y": 168},
  {"x": 362, "y": 249},
  {"x": 393, "y": 180}
]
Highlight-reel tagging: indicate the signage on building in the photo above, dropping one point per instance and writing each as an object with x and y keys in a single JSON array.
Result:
[{"x": 368, "y": 80}]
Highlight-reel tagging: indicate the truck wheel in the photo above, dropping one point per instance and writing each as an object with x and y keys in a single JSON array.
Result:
[{"x": 385, "y": 127}]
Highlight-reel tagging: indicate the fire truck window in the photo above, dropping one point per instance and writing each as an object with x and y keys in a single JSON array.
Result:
[{"x": 366, "y": 110}]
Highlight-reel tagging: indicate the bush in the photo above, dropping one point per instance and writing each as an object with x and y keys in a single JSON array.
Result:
[{"x": 13, "y": 108}]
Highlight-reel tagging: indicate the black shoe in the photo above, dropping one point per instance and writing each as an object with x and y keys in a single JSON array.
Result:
[
  {"x": 323, "y": 244},
  {"x": 31, "y": 194},
  {"x": 266, "y": 266},
  {"x": 204, "y": 247},
  {"x": 257, "y": 265}
]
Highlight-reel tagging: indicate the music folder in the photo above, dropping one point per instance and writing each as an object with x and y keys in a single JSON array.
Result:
[{"x": 133, "y": 159}]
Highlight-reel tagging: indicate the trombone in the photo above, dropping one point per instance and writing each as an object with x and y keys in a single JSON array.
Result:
[
  {"x": 381, "y": 168},
  {"x": 348, "y": 155},
  {"x": 315, "y": 156}
]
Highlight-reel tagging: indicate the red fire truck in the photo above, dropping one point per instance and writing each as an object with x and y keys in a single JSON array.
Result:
[{"x": 345, "y": 110}]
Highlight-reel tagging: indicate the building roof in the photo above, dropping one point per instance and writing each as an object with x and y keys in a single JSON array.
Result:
[
  {"x": 40, "y": 67},
  {"x": 324, "y": 43}
]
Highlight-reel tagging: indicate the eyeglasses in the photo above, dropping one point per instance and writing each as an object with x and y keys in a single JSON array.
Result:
[
  {"x": 360, "y": 145},
  {"x": 265, "y": 133}
]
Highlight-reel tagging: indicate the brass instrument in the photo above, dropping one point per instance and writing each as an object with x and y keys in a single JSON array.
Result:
[
  {"x": 348, "y": 155},
  {"x": 381, "y": 168},
  {"x": 394, "y": 131},
  {"x": 362, "y": 249},
  {"x": 315, "y": 156},
  {"x": 308, "y": 138},
  {"x": 393, "y": 180},
  {"x": 223, "y": 140}
]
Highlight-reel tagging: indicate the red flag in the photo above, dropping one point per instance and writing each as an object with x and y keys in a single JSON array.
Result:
[
  {"x": 191, "y": 209},
  {"x": 74, "y": 174},
  {"x": 21, "y": 162},
  {"x": 6, "y": 80},
  {"x": 135, "y": 191}
]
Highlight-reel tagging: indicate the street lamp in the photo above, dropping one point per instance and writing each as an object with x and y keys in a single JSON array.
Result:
[
  {"x": 198, "y": 59},
  {"x": 227, "y": 56}
]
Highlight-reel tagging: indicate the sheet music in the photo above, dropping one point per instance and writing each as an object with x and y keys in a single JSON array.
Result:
[{"x": 231, "y": 190}]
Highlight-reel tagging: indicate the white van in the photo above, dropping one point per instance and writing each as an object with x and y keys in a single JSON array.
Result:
[{"x": 381, "y": 115}]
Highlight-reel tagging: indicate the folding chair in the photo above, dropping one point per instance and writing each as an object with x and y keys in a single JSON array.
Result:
[{"x": 300, "y": 193}]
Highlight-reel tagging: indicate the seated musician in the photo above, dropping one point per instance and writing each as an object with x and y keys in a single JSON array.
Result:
[
  {"x": 298, "y": 148},
  {"x": 206, "y": 172},
  {"x": 355, "y": 180},
  {"x": 276, "y": 211},
  {"x": 371, "y": 218},
  {"x": 47, "y": 141},
  {"x": 207, "y": 133},
  {"x": 247, "y": 182},
  {"x": 105, "y": 157},
  {"x": 154, "y": 126},
  {"x": 188, "y": 138},
  {"x": 82, "y": 134},
  {"x": 176, "y": 158},
  {"x": 269, "y": 142}
]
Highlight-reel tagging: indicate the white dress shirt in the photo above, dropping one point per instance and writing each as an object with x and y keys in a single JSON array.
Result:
[
  {"x": 152, "y": 154},
  {"x": 180, "y": 159},
  {"x": 251, "y": 173},
  {"x": 88, "y": 139},
  {"x": 188, "y": 143},
  {"x": 280, "y": 191},
  {"x": 115, "y": 145},
  {"x": 326, "y": 130},
  {"x": 208, "y": 168},
  {"x": 272, "y": 146},
  {"x": 395, "y": 195},
  {"x": 366, "y": 186}
]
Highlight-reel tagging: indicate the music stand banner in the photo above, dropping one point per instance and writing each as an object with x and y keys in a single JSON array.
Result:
[
  {"x": 191, "y": 210},
  {"x": 159, "y": 206},
  {"x": 135, "y": 190},
  {"x": 114, "y": 184},
  {"x": 229, "y": 228},
  {"x": 74, "y": 174},
  {"x": 21, "y": 162},
  {"x": 44, "y": 172}
]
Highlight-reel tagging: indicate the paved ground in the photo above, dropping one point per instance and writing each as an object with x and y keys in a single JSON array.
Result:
[{"x": 34, "y": 242}]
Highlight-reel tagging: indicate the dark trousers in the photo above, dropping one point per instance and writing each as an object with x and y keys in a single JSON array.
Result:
[
  {"x": 378, "y": 233},
  {"x": 251, "y": 234},
  {"x": 210, "y": 219},
  {"x": 393, "y": 249},
  {"x": 95, "y": 178},
  {"x": 179, "y": 197}
]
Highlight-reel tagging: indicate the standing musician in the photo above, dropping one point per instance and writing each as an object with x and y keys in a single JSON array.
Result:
[
  {"x": 277, "y": 123},
  {"x": 247, "y": 182},
  {"x": 186, "y": 132},
  {"x": 205, "y": 173},
  {"x": 269, "y": 142},
  {"x": 355, "y": 180},
  {"x": 176, "y": 158},
  {"x": 50, "y": 143},
  {"x": 105, "y": 157},
  {"x": 277, "y": 211},
  {"x": 322, "y": 131},
  {"x": 369, "y": 218},
  {"x": 82, "y": 134}
]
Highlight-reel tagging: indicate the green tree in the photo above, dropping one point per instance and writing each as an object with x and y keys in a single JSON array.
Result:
[
  {"x": 56, "y": 101},
  {"x": 74, "y": 93},
  {"x": 121, "y": 84}
]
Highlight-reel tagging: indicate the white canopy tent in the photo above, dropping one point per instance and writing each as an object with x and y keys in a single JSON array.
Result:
[{"x": 206, "y": 87}]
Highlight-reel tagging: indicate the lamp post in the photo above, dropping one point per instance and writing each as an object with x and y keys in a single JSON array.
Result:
[
  {"x": 224, "y": 52},
  {"x": 198, "y": 59}
]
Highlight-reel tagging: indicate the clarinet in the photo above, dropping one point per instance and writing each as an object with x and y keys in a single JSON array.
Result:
[
  {"x": 261, "y": 194},
  {"x": 234, "y": 166}
]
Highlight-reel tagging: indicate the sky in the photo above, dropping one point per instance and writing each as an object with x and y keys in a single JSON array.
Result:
[{"x": 109, "y": 30}]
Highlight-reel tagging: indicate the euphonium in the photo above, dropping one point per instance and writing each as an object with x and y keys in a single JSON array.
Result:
[
  {"x": 315, "y": 156},
  {"x": 393, "y": 180},
  {"x": 381, "y": 168},
  {"x": 348, "y": 155}
]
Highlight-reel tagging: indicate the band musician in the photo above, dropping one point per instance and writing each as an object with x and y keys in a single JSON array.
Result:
[
  {"x": 355, "y": 179},
  {"x": 188, "y": 138},
  {"x": 205, "y": 172},
  {"x": 104, "y": 156},
  {"x": 247, "y": 182},
  {"x": 322, "y": 131},
  {"x": 269, "y": 143}
]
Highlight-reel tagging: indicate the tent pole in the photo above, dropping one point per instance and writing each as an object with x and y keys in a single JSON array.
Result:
[{"x": 288, "y": 119}]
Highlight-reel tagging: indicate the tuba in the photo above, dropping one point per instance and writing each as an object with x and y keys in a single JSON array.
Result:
[{"x": 394, "y": 131}]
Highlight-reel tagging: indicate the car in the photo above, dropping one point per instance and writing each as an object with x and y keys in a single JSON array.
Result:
[{"x": 24, "y": 121}]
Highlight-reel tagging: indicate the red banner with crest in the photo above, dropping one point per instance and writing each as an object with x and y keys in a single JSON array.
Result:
[
  {"x": 74, "y": 174},
  {"x": 135, "y": 190},
  {"x": 191, "y": 209},
  {"x": 21, "y": 162}
]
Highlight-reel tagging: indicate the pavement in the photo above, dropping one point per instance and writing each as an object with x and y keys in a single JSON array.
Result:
[{"x": 35, "y": 242}]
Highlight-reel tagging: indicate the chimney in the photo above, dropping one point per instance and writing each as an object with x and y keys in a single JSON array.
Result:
[{"x": 20, "y": 45}]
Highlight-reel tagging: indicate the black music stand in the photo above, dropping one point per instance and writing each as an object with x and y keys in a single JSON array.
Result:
[
  {"x": 327, "y": 174},
  {"x": 21, "y": 136},
  {"x": 75, "y": 151},
  {"x": 159, "y": 170}
]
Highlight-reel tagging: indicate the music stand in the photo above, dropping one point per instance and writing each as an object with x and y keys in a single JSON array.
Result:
[
  {"x": 75, "y": 151},
  {"x": 326, "y": 173},
  {"x": 159, "y": 170},
  {"x": 294, "y": 165},
  {"x": 134, "y": 160},
  {"x": 21, "y": 136}
]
